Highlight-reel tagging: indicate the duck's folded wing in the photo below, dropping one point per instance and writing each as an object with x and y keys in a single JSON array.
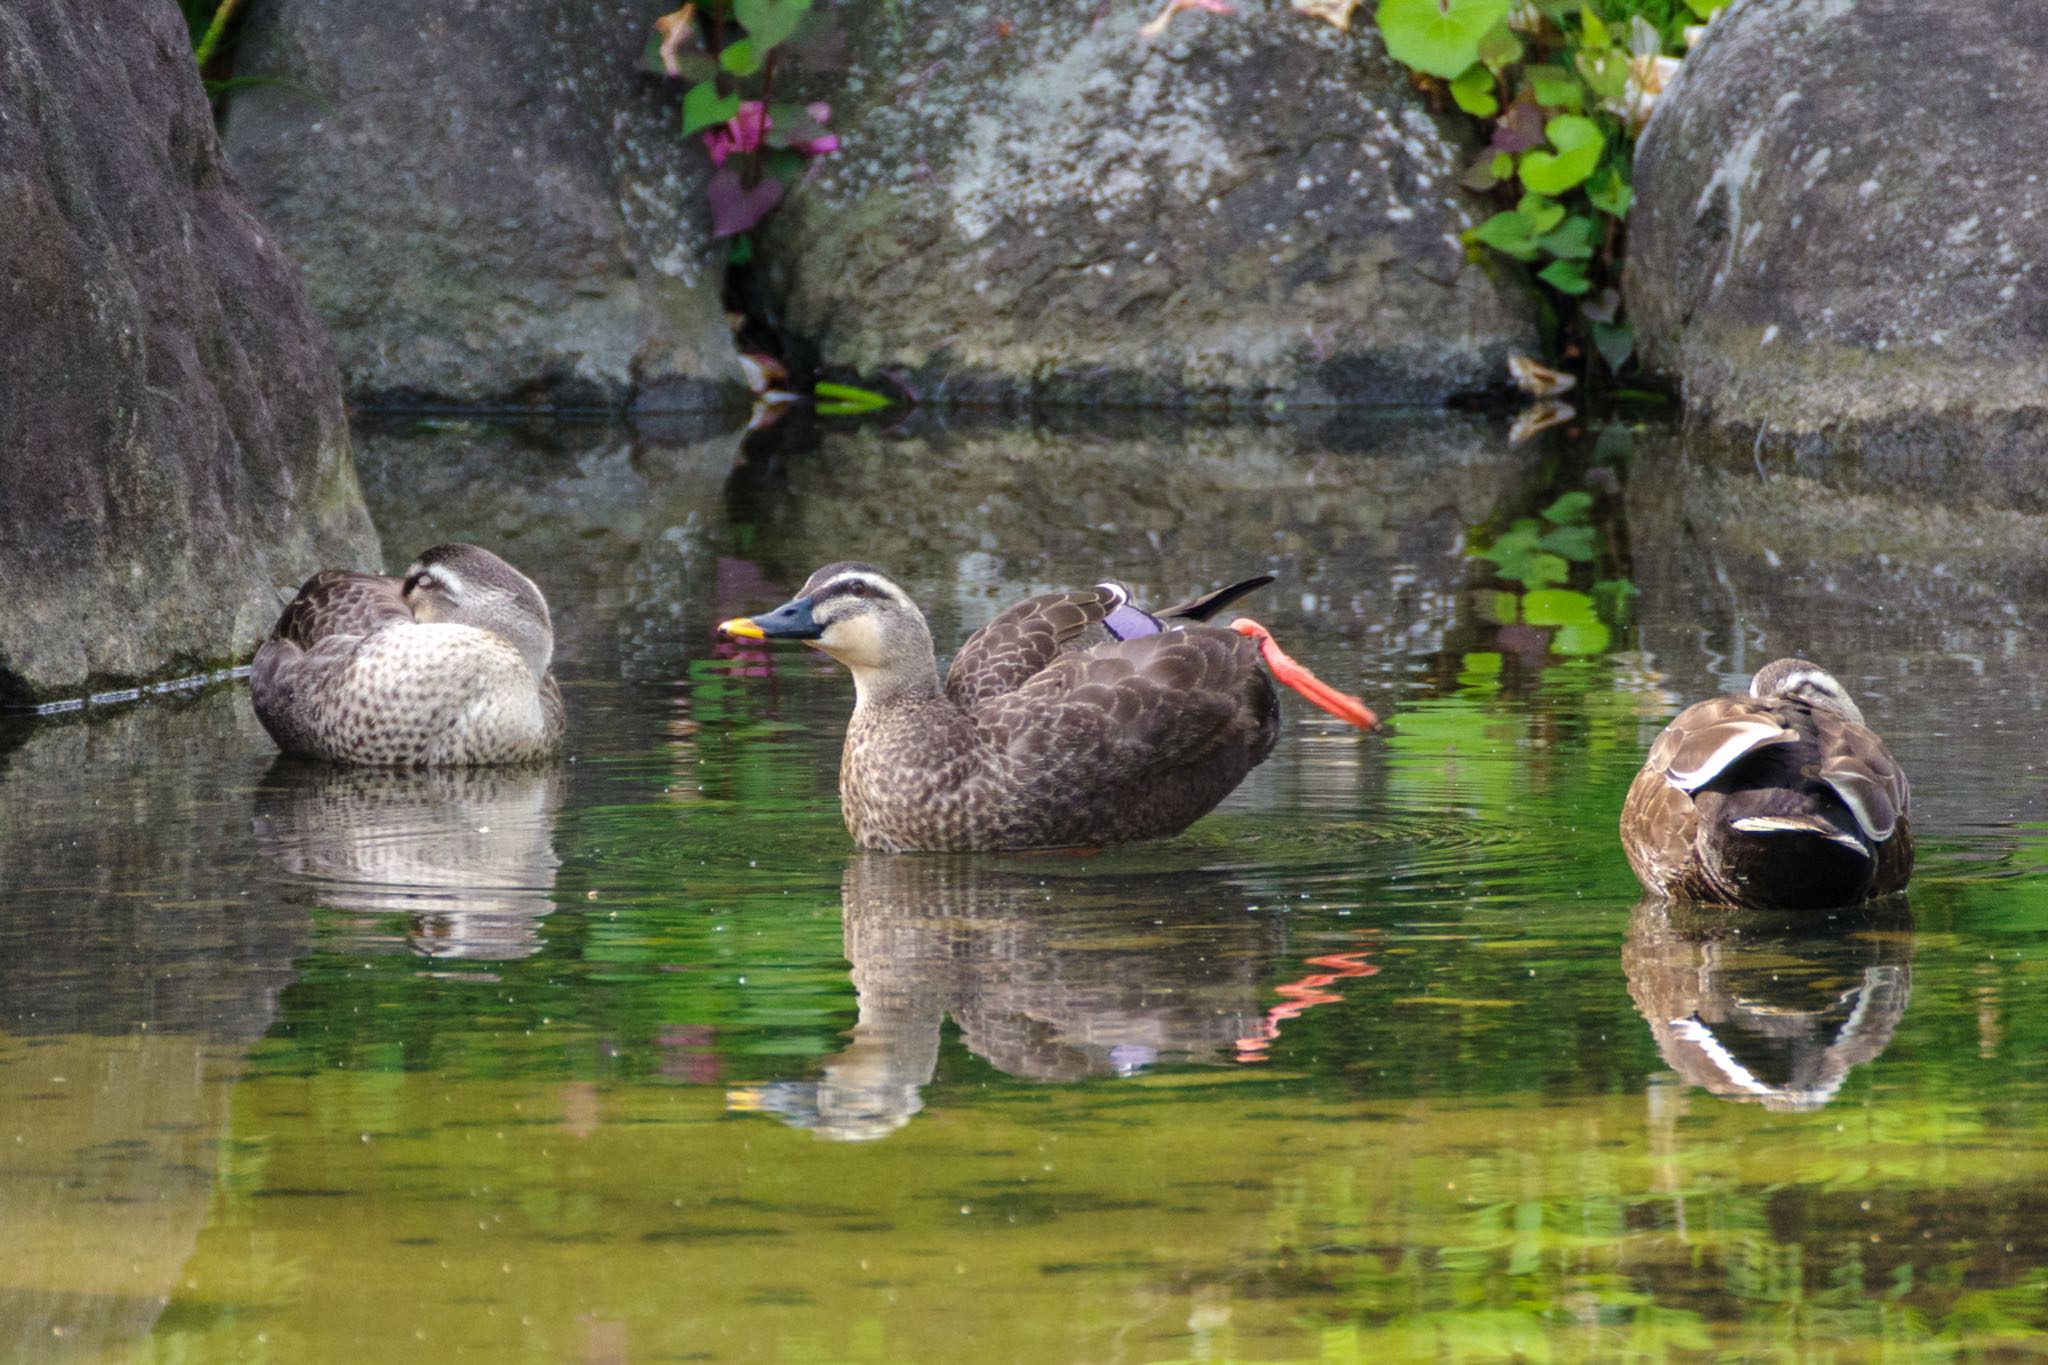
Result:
[
  {"x": 1856, "y": 764},
  {"x": 339, "y": 602},
  {"x": 1142, "y": 706},
  {"x": 1015, "y": 647},
  {"x": 1709, "y": 737}
]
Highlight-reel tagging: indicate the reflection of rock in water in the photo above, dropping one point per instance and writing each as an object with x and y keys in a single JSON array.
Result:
[
  {"x": 135, "y": 970},
  {"x": 617, "y": 525},
  {"x": 1363, "y": 520},
  {"x": 467, "y": 854},
  {"x": 1051, "y": 972},
  {"x": 1769, "y": 1008}
]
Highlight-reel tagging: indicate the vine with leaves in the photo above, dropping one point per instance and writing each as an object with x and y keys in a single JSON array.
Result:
[{"x": 1563, "y": 88}]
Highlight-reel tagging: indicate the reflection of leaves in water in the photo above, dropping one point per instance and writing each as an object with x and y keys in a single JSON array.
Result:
[{"x": 1541, "y": 553}]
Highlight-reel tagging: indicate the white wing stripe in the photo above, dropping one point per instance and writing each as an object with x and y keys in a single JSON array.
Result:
[{"x": 1743, "y": 735}]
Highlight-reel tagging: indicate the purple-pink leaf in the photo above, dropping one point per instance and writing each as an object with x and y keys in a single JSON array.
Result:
[
  {"x": 734, "y": 207},
  {"x": 1519, "y": 127}
]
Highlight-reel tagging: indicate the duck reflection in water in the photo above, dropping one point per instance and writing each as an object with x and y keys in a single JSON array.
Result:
[
  {"x": 466, "y": 854},
  {"x": 1052, "y": 970},
  {"x": 1772, "y": 1008}
]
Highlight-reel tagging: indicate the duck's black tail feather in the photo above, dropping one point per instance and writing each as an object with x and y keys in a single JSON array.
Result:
[{"x": 1209, "y": 603}]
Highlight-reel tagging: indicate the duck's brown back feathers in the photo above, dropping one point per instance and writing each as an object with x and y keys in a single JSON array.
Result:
[
  {"x": 1768, "y": 801},
  {"x": 1131, "y": 739}
]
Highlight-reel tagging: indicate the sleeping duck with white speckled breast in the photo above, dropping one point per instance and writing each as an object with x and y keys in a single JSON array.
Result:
[
  {"x": 449, "y": 665},
  {"x": 1071, "y": 719}
]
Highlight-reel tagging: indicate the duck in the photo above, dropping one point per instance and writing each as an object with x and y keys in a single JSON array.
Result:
[
  {"x": 448, "y": 665},
  {"x": 1780, "y": 798},
  {"x": 1073, "y": 719}
]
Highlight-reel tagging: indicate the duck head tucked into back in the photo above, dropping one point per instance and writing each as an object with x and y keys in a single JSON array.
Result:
[
  {"x": 447, "y": 665},
  {"x": 1072, "y": 718},
  {"x": 467, "y": 585},
  {"x": 1782, "y": 797}
]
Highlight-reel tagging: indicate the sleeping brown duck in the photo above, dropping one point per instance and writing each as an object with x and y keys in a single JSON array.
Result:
[
  {"x": 1781, "y": 798},
  {"x": 1073, "y": 718}
]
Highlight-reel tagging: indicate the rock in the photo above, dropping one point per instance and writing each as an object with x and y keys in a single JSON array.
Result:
[
  {"x": 488, "y": 202},
  {"x": 1363, "y": 520},
  {"x": 172, "y": 443},
  {"x": 1825, "y": 277},
  {"x": 1035, "y": 203}
]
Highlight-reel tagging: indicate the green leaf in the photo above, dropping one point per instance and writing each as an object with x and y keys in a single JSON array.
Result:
[
  {"x": 1616, "y": 342},
  {"x": 1473, "y": 90},
  {"x": 704, "y": 107},
  {"x": 847, "y": 400},
  {"x": 1508, "y": 232},
  {"x": 781, "y": 164},
  {"x": 1439, "y": 37},
  {"x": 1566, "y": 277},
  {"x": 1558, "y": 607},
  {"x": 1570, "y": 508},
  {"x": 1572, "y": 241},
  {"x": 1593, "y": 32},
  {"x": 1541, "y": 568},
  {"x": 769, "y": 21},
  {"x": 1574, "y": 543},
  {"x": 1605, "y": 72},
  {"x": 1479, "y": 176},
  {"x": 1611, "y": 192},
  {"x": 1543, "y": 214},
  {"x": 1617, "y": 445},
  {"x": 1705, "y": 8},
  {"x": 1500, "y": 48},
  {"x": 1555, "y": 87},
  {"x": 1579, "y": 143},
  {"x": 1514, "y": 543},
  {"x": 1580, "y": 640},
  {"x": 739, "y": 58},
  {"x": 1503, "y": 165},
  {"x": 650, "y": 56}
]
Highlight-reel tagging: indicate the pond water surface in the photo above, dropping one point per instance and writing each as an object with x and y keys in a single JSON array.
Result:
[{"x": 640, "y": 1060}]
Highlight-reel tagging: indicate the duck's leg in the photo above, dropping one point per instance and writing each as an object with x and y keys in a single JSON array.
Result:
[{"x": 1342, "y": 705}]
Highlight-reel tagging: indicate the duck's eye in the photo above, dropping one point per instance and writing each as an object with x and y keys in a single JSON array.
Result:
[{"x": 856, "y": 589}]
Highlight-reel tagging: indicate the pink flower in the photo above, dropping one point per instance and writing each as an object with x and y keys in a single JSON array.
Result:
[
  {"x": 817, "y": 146},
  {"x": 748, "y": 128},
  {"x": 739, "y": 134}
]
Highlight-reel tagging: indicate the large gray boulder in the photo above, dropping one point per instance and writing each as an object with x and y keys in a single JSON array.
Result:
[
  {"x": 172, "y": 443},
  {"x": 1839, "y": 220},
  {"x": 1035, "y": 202},
  {"x": 488, "y": 202}
]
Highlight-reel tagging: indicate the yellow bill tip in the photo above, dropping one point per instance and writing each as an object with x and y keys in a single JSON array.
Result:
[{"x": 741, "y": 627}]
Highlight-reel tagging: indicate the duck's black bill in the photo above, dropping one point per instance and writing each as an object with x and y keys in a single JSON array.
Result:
[{"x": 790, "y": 621}]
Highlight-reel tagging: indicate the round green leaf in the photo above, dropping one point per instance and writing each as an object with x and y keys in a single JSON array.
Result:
[
  {"x": 1581, "y": 640},
  {"x": 1558, "y": 607},
  {"x": 1440, "y": 37},
  {"x": 1579, "y": 143},
  {"x": 1473, "y": 90}
]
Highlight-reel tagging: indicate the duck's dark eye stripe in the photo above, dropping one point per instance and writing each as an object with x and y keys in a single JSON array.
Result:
[{"x": 847, "y": 587}]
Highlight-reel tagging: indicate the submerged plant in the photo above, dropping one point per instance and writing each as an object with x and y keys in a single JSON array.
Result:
[{"x": 1563, "y": 88}]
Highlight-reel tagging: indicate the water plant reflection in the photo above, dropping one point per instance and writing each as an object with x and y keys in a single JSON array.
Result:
[{"x": 1765, "y": 1007}]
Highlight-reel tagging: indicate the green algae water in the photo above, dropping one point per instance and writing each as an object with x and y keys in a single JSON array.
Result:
[{"x": 638, "y": 1059}]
